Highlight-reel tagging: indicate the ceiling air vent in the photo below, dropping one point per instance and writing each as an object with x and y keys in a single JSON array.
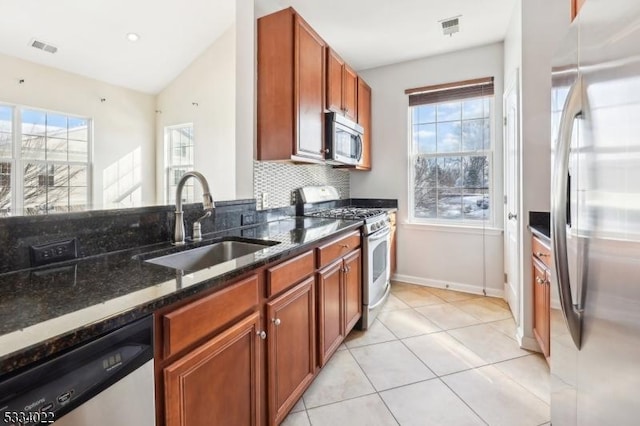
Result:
[
  {"x": 450, "y": 26},
  {"x": 43, "y": 46}
]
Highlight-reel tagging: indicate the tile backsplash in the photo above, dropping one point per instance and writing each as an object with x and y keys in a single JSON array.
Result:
[{"x": 280, "y": 180}]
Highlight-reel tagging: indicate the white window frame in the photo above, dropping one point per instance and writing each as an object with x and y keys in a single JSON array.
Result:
[
  {"x": 489, "y": 153},
  {"x": 169, "y": 188},
  {"x": 17, "y": 162}
]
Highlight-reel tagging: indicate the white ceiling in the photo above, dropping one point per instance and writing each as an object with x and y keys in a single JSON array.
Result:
[{"x": 91, "y": 34}]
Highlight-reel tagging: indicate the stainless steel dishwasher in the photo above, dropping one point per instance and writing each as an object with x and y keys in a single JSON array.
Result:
[{"x": 108, "y": 381}]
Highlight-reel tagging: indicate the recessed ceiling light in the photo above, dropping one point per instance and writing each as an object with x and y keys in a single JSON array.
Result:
[{"x": 133, "y": 37}]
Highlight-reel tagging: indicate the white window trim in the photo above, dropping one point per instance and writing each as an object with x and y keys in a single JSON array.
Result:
[
  {"x": 425, "y": 223},
  {"x": 167, "y": 157}
]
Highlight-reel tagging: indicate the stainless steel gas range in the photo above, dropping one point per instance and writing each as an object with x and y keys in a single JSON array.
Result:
[{"x": 376, "y": 244}]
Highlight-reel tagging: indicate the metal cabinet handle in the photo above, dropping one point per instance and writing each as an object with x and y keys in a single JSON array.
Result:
[
  {"x": 276, "y": 321},
  {"x": 512, "y": 216},
  {"x": 560, "y": 184},
  {"x": 540, "y": 280},
  {"x": 541, "y": 254},
  {"x": 344, "y": 245},
  {"x": 262, "y": 334}
]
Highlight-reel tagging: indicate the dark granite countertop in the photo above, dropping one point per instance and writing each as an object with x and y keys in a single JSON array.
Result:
[
  {"x": 46, "y": 310},
  {"x": 540, "y": 225}
]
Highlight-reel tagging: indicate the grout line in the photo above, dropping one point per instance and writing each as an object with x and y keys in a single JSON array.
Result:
[{"x": 464, "y": 402}]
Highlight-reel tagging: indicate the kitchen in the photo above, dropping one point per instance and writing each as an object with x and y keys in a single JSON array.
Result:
[{"x": 122, "y": 165}]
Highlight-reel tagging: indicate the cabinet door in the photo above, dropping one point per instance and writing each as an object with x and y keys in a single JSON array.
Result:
[
  {"x": 352, "y": 289},
  {"x": 219, "y": 382},
  {"x": 350, "y": 92},
  {"x": 541, "y": 306},
  {"x": 364, "y": 119},
  {"x": 309, "y": 91},
  {"x": 334, "y": 81},
  {"x": 291, "y": 348},
  {"x": 330, "y": 310}
]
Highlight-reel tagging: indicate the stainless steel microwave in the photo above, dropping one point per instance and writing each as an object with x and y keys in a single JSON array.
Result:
[{"x": 343, "y": 140}]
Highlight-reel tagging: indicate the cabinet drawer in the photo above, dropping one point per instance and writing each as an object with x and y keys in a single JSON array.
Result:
[
  {"x": 286, "y": 274},
  {"x": 542, "y": 251},
  {"x": 192, "y": 322},
  {"x": 337, "y": 248}
]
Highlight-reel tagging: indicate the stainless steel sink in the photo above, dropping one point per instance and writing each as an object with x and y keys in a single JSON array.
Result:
[{"x": 210, "y": 255}]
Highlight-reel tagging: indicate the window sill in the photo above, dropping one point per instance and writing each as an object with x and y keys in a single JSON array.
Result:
[{"x": 455, "y": 229}]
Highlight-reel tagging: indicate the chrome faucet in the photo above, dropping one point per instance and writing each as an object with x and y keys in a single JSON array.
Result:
[{"x": 207, "y": 204}]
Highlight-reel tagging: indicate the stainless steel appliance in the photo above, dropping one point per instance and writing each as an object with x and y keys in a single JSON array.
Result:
[
  {"x": 595, "y": 315},
  {"x": 343, "y": 140},
  {"x": 376, "y": 245},
  {"x": 108, "y": 381}
]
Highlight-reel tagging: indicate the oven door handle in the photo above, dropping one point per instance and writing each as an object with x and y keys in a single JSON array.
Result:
[
  {"x": 379, "y": 234},
  {"x": 382, "y": 299}
]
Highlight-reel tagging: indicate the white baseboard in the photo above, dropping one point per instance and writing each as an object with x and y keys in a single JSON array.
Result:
[
  {"x": 448, "y": 285},
  {"x": 527, "y": 342}
]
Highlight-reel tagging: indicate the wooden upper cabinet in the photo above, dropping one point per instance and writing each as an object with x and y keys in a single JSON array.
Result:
[
  {"x": 291, "y": 89},
  {"x": 342, "y": 86},
  {"x": 575, "y": 7},
  {"x": 364, "y": 119}
]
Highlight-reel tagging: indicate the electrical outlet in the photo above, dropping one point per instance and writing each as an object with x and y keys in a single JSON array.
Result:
[
  {"x": 58, "y": 251},
  {"x": 265, "y": 200},
  {"x": 247, "y": 219}
]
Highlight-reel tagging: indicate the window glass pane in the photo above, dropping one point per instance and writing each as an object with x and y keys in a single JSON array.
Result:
[
  {"x": 477, "y": 205},
  {"x": 424, "y": 138},
  {"x": 78, "y": 129},
  {"x": 78, "y": 176},
  {"x": 474, "y": 135},
  {"x": 424, "y": 114},
  {"x": 33, "y": 147},
  {"x": 473, "y": 108},
  {"x": 78, "y": 199},
  {"x": 449, "y": 137},
  {"x": 78, "y": 151},
  {"x": 57, "y": 125},
  {"x": 5, "y": 189},
  {"x": 56, "y": 149},
  {"x": 34, "y": 122},
  {"x": 425, "y": 178},
  {"x": 58, "y": 199},
  {"x": 5, "y": 145},
  {"x": 35, "y": 189},
  {"x": 449, "y": 203},
  {"x": 6, "y": 116},
  {"x": 449, "y": 111}
]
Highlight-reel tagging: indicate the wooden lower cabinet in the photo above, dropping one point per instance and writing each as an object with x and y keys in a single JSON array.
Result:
[
  {"x": 218, "y": 383},
  {"x": 541, "y": 306},
  {"x": 291, "y": 337},
  {"x": 339, "y": 303}
]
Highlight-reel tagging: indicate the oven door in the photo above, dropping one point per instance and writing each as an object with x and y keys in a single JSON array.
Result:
[{"x": 376, "y": 285}]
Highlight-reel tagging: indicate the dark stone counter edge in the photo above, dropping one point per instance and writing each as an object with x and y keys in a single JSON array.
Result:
[
  {"x": 13, "y": 363},
  {"x": 541, "y": 232}
]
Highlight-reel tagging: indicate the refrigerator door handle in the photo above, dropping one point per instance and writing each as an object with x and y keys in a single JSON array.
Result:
[{"x": 559, "y": 190}]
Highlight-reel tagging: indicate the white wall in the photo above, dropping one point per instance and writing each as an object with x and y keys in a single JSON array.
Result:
[
  {"x": 534, "y": 31},
  {"x": 460, "y": 258},
  {"x": 210, "y": 82},
  {"x": 123, "y": 123}
]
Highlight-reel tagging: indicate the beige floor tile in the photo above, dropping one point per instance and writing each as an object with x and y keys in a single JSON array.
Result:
[
  {"x": 419, "y": 296},
  {"x": 532, "y": 372},
  {"x": 498, "y": 399},
  {"x": 341, "y": 378},
  {"x": 399, "y": 286},
  {"x": 406, "y": 323},
  {"x": 377, "y": 333},
  {"x": 390, "y": 364},
  {"x": 447, "y": 316},
  {"x": 484, "y": 309},
  {"x": 499, "y": 301},
  {"x": 299, "y": 406},
  {"x": 452, "y": 295},
  {"x": 342, "y": 347},
  {"x": 507, "y": 326},
  {"x": 364, "y": 411},
  {"x": 429, "y": 403},
  {"x": 296, "y": 419},
  {"x": 393, "y": 303},
  {"x": 489, "y": 343},
  {"x": 443, "y": 354}
]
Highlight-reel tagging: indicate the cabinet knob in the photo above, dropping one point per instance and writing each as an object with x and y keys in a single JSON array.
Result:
[
  {"x": 262, "y": 334},
  {"x": 512, "y": 216},
  {"x": 326, "y": 151},
  {"x": 276, "y": 321},
  {"x": 344, "y": 246},
  {"x": 541, "y": 254},
  {"x": 540, "y": 280}
]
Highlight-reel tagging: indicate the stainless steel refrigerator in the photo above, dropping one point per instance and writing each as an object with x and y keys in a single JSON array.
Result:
[{"x": 595, "y": 214}]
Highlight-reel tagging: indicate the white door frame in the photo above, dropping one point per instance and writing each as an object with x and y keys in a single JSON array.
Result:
[{"x": 512, "y": 255}]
